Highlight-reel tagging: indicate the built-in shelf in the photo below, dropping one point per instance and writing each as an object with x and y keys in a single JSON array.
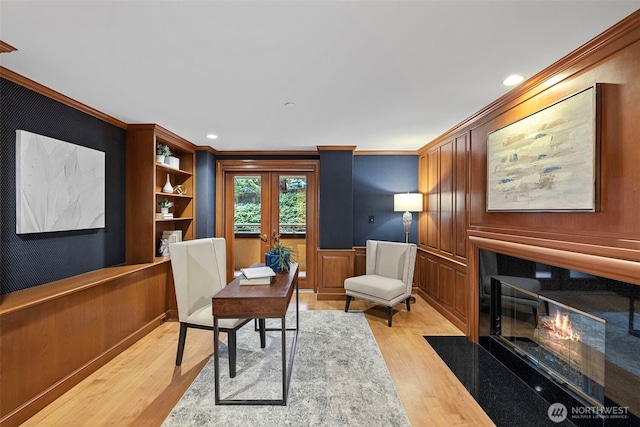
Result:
[
  {"x": 145, "y": 180},
  {"x": 169, "y": 169},
  {"x": 174, "y": 219},
  {"x": 183, "y": 196}
]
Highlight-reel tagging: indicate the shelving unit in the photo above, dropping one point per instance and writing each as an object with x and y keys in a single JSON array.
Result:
[{"x": 145, "y": 181}]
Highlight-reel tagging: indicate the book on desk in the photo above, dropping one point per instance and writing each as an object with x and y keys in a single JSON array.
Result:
[{"x": 256, "y": 276}]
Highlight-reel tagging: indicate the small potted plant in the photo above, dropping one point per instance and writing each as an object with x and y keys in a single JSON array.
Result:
[
  {"x": 165, "y": 204},
  {"x": 279, "y": 258},
  {"x": 162, "y": 151}
]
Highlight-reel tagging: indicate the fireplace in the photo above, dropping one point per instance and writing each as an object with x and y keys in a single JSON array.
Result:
[
  {"x": 566, "y": 343},
  {"x": 567, "y": 333}
]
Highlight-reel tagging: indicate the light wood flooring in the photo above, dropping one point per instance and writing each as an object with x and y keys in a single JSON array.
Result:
[{"x": 141, "y": 385}]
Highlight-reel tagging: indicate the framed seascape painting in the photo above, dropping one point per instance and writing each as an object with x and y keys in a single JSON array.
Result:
[
  {"x": 59, "y": 186},
  {"x": 548, "y": 160}
]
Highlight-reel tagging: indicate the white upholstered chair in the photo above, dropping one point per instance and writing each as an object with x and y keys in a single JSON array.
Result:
[
  {"x": 388, "y": 278},
  {"x": 199, "y": 272}
]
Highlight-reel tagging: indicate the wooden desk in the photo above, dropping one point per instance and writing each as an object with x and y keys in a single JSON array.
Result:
[{"x": 260, "y": 302}]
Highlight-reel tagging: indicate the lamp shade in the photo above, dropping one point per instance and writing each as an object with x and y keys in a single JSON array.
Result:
[{"x": 407, "y": 202}]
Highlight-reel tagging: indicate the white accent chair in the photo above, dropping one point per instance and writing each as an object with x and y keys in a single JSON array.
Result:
[
  {"x": 199, "y": 272},
  {"x": 388, "y": 278}
]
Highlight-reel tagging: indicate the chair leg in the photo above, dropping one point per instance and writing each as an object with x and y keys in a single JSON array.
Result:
[
  {"x": 346, "y": 304},
  {"x": 409, "y": 304},
  {"x": 263, "y": 337},
  {"x": 181, "y": 340},
  {"x": 389, "y": 314},
  {"x": 231, "y": 334}
]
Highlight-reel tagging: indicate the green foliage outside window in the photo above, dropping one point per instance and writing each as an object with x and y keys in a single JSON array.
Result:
[{"x": 293, "y": 205}]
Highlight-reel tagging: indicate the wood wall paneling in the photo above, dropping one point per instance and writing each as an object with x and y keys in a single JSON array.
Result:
[
  {"x": 334, "y": 266},
  {"x": 460, "y": 196},
  {"x": 445, "y": 230},
  {"x": 423, "y": 187},
  {"x": 54, "y": 335},
  {"x": 443, "y": 169},
  {"x": 461, "y": 300},
  {"x": 447, "y": 288},
  {"x": 360, "y": 266},
  {"x": 433, "y": 199},
  {"x": 433, "y": 284},
  {"x": 421, "y": 271}
]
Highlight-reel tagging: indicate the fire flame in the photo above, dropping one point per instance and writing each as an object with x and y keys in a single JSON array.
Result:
[{"x": 563, "y": 328}]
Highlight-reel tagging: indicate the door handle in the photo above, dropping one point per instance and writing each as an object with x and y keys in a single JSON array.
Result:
[{"x": 264, "y": 237}]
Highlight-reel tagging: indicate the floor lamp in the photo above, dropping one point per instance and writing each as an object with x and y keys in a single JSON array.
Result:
[{"x": 407, "y": 203}]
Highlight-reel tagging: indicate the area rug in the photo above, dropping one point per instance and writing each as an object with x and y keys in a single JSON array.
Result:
[{"x": 339, "y": 378}]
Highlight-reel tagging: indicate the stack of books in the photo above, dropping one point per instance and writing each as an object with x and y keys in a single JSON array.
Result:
[
  {"x": 164, "y": 216},
  {"x": 172, "y": 236},
  {"x": 256, "y": 276}
]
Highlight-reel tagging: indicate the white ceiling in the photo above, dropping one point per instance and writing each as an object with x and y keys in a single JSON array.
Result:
[{"x": 378, "y": 75}]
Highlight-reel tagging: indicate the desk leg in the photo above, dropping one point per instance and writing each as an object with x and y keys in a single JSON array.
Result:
[
  {"x": 284, "y": 361},
  {"x": 216, "y": 359},
  {"x": 263, "y": 336},
  {"x": 297, "y": 307}
]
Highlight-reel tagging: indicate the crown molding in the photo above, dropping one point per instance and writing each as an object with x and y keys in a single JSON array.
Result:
[
  {"x": 207, "y": 148},
  {"x": 263, "y": 152},
  {"x": 336, "y": 147},
  {"x": 6, "y": 47},
  {"x": 18, "y": 79},
  {"x": 386, "y": 153}
]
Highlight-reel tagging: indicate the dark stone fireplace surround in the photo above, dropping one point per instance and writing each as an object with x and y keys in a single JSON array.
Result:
[{"x": 565, "y": 272}]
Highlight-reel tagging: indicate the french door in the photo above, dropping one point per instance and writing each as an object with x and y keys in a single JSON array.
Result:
[{"x": 264, "y": 204}]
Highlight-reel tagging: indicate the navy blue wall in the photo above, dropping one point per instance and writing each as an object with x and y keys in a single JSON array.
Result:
[
  {"x": 205, "y": 194},
  {"x": 352, "y": 188},
  {"x": 375, "y": 180},
  {"x": 336, "y": 199},
  {"x": 33, "y": 259}
]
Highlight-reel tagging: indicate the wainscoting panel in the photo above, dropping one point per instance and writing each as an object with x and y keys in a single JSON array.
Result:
[
  {"x": 55, "y": 335},
  {"x": 360, "y": 261},
  {"x": 445, "y": 288},
  {"x": 334, "y": 265}
]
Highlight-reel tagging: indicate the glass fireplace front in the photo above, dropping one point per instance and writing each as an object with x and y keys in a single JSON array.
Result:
[
  {"x": 571, "y": 336},
  {"x": 566, "y": 343}
]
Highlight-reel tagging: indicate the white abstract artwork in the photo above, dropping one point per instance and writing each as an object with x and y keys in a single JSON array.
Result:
[
  {"x": 546, "y": 161},
  {"x": 59, "y": 186}
]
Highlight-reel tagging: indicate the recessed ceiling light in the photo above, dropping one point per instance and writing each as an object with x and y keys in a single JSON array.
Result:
[
  {"x": 289, "y": 104},
  {"x": 212, "y": 136},
  {"x": 513, "y": 80}
]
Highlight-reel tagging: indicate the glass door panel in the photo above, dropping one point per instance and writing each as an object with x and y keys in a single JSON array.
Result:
[
  {"x": 249, "y": 228},
  {"x": 259, "y": 207},
  {"x": 292, "y": 216}
]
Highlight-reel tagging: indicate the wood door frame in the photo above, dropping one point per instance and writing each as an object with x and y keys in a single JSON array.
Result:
[{"x": 224, "y": 167}]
